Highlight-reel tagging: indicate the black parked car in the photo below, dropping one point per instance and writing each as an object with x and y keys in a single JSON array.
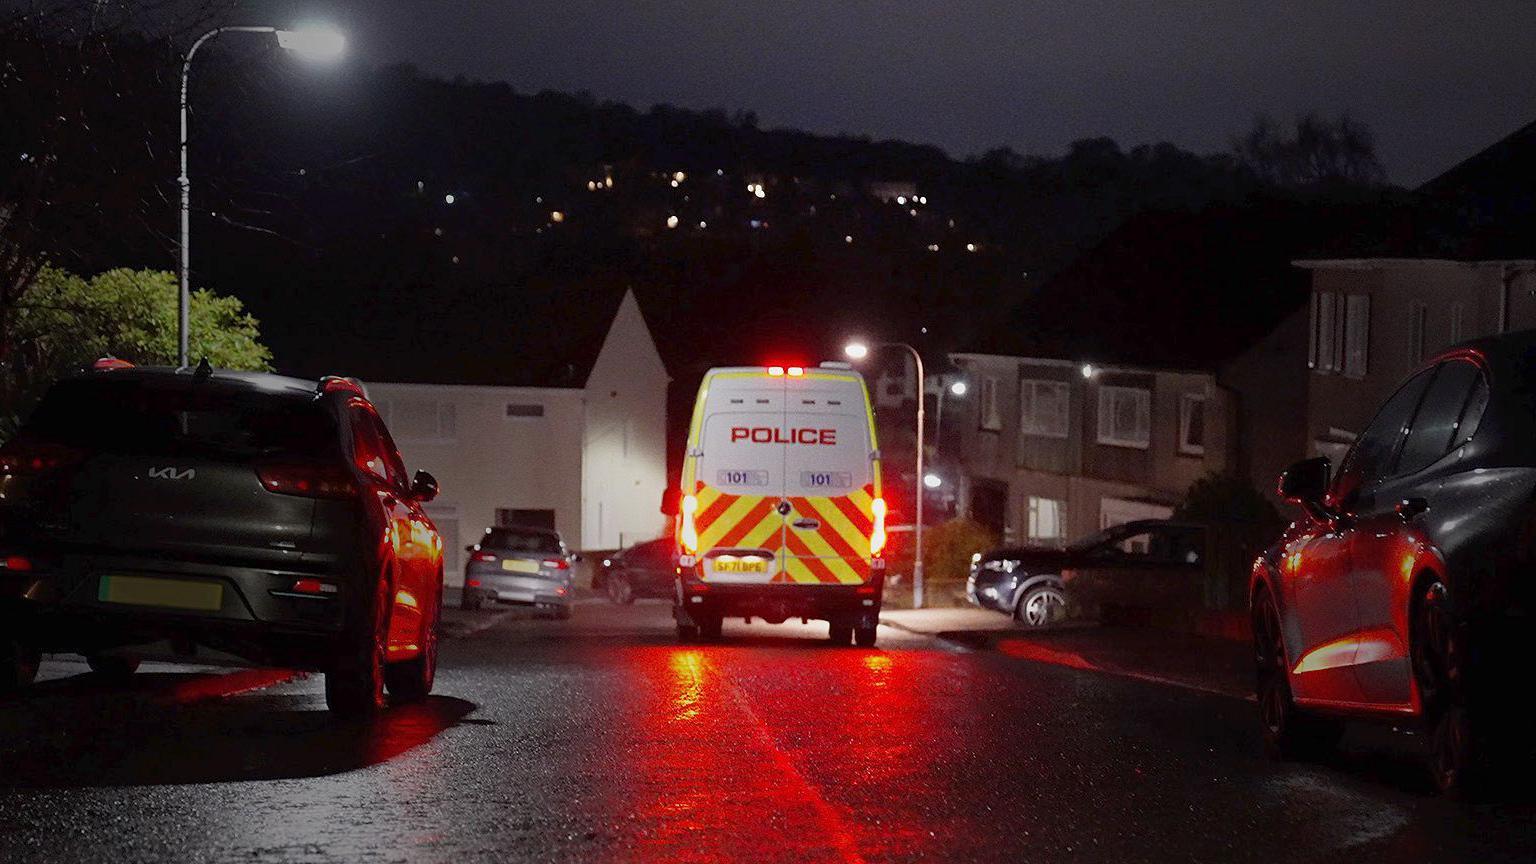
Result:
[
  {"x": 1142, "y": 563},
  {"x": 263, "y": 517},
  {"x": 1405, "y": 590},
  {"x": 643, "y": 570}
]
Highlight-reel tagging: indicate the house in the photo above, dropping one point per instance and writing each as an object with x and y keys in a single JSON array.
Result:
[
  {"x": 584, "y": 453},
  {"x": 1371, "y": 321},
  {"x": 1051, "y": 450}
]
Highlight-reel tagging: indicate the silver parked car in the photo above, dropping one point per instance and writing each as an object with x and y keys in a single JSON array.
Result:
[{"x": 525, "y": 566}]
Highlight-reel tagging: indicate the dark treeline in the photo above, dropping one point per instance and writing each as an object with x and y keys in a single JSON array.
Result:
[{"x": 320, "y": 199}]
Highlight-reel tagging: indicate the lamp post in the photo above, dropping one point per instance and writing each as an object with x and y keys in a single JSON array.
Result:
[
  {"x": 311, "y": 42},
  {"x": 858, "y": 351}
]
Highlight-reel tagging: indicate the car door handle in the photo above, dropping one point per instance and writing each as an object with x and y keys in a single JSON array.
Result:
[{"x": 1410, "y": 508}]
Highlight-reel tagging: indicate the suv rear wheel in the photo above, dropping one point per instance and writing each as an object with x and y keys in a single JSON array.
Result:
[{"x": 354, "y": 687}]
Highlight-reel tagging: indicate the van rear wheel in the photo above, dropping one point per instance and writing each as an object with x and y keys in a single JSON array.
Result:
[{"x": 864, "y": 637}]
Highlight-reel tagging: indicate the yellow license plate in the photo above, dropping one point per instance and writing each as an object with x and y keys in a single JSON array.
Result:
[
  {"x": 168, "y": 593},
  {"x": 517, "y": 565},
  {"x": 741, "y": 565}
]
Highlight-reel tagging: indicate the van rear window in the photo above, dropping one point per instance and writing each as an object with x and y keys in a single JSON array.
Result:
[{"x": 132, "y": 417}]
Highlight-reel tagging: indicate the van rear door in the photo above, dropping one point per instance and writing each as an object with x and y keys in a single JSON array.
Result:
[
  {"x": 739, "y": 478},
  {"x": 829, "y": 480}
]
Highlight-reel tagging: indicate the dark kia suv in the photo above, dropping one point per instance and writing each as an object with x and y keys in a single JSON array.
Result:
[
  {"x": 154, "y": 511},
  {"x": 1406, "y": 588}
]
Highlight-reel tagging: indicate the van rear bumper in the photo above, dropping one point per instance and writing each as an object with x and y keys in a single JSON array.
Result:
[{"x": 857, "y": 605}]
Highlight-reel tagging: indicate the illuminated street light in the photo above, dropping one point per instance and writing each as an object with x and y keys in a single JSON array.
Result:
[
  {"x": 311, "y": 42},
  {"x": 958, "y": 388},
  {"x": 932, "y": 481},
  {"x": 1088, "y": 370},
  {"x": 858, "y": 351}
]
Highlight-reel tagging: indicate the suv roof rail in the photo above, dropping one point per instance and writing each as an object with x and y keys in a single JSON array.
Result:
[{"x": 338, "y": 384}]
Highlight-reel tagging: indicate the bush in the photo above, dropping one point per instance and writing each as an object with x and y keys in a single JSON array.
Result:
[{"x": 947, "y": 549}]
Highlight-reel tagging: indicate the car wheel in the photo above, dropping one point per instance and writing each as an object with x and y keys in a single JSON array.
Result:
[
  {"x": 1457, "y": 748},
  {"x": 1040, "y": 605},
  {"x": 620, "y": 592},
  {"x": 864, "y": 637},
  {"x": 840, "y": 634},
  {"x": 354, "y": 687},
  {"x": 112, "y": 667},
  {"x": 18, "y": 666},
  {"x": 411, "y": 680},
  {"x": 1289, "y": 733}
]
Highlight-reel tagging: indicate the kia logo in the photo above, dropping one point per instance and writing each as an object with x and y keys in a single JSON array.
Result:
[{"x": 171, "y": 473}]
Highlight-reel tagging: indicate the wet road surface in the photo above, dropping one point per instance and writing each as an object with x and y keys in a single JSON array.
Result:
[{"x": 600, "y": 739}]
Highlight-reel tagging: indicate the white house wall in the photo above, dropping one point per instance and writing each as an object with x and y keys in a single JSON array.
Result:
[
  {"x": 485, "y": 460},
  {"x": 625, "y": 470}
]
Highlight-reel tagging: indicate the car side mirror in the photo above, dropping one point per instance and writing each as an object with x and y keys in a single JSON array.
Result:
[
  {"x": 671, "y": 499},
  {"x": 1305, "y": 484},
  {"x": 423, "y": 487}
]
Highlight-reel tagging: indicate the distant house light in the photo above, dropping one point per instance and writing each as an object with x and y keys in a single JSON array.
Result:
[
  {"x": 679, "y": 176},
  {"x": 847, "y": 238},
  {"x": 671, "y": 221},
  {"x": 591, "y": 185},
  {"x": 902, "y": 200},
  {"x": 674, "y": 184},
  {"x": 970, "y": 247},
  {"x": 933, "y": 247},
  {"x": 556, "y": 216},
  {"x": 703, "y": 224},
  {"x": 448, "y": 199}
]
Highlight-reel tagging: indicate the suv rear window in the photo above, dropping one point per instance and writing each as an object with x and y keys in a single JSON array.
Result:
[
  {"x": 133, "y": 417},
  {"x": 515, "y": 540}
]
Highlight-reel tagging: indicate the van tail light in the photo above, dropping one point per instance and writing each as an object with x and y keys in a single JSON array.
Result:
[
  {"x": 776, "y": 371},
  {"x": 19, "y": 459},
  {"x": 687, "y": 533},
  {"x": 307, "y": 481},
  {"x": 877, "y": 533},
  {"x": 557, "y": 564}
]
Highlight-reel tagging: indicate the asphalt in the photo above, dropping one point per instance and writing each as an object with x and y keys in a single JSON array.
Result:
[{"x": 602, "y": 739}]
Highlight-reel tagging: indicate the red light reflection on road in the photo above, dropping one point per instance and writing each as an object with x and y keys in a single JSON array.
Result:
[{"x": 797, "y": 752}]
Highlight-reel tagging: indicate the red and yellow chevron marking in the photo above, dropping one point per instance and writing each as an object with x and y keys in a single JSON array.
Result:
[
  {"x": 834, "y": 553},
  {"x": 726, "y": 520}
]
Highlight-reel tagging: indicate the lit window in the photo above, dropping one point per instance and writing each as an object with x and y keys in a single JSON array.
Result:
[{"x": 1047, "y": 518}]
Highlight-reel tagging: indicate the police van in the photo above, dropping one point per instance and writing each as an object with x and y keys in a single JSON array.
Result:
[{"x": 780, "y": 512}]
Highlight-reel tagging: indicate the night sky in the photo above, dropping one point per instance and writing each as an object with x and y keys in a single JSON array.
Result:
[{"x": 1437, "y": 81}]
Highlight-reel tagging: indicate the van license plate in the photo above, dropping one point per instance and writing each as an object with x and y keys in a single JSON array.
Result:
[
  {"x": 742, "y": 565},
  {"x": 168, "y": 593}
]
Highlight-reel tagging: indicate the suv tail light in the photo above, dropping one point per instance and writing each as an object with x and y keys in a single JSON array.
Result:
[
  {"x": 23, "y": 459},
  {"x": 483, "y": 556},
  {"x": 308, "y": 481},
  {"x": 557, "y": 564}
]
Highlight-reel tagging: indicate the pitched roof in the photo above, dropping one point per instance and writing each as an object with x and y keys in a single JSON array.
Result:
[{"x": 540, "y": 335}]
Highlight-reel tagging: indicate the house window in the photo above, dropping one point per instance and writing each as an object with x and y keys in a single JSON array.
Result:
[
  {"x": 1418, "y": 322},
  {"x": 1192, "y": 424},
  {"x": 1323, "y": 350},
  {"x": 1047, "y": 519},
  {"x": 1125, "y": 416},
  {"x": 1458, "y": 311},
  {"x": 1357, "y": 332},
  {"x": 524, "y": 410},
  {"x": 991, "y": 416},
  {"x": 1043, "y": 408},
  {"x": 420, "y": 420}
]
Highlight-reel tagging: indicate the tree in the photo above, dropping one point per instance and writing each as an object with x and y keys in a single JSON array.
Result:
[
  {"x": 1317, "y": 152},
  {"x": 65, "y": 323}
]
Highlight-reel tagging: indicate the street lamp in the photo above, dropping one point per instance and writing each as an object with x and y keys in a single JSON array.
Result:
[
  {"x": 932, "y": 480},
  {"x": 858, "y": 351},
  {"x": 312, "y": 42}
]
